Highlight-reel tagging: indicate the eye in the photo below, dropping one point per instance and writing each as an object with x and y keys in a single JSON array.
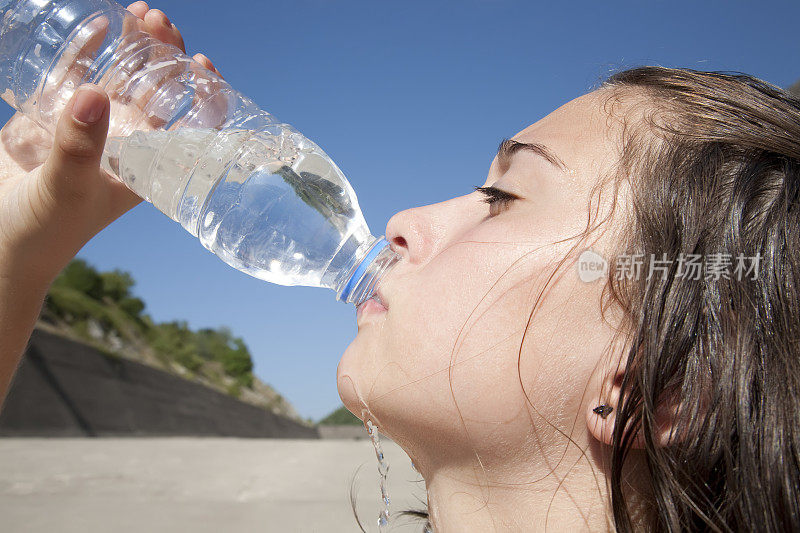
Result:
[{"x": 497, "y": 199}]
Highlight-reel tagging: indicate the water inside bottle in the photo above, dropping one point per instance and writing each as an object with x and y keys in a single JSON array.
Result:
[{"x": 269, "y": 203}]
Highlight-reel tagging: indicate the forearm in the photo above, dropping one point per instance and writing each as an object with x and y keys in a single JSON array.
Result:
[{"x": 20, "y": 304}]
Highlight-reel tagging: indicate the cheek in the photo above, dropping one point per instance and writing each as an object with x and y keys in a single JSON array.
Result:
[
  {"x": 449, "y": 346},
  {"x": 400, "y": 364},
  {"x": 450, "y": 339}
]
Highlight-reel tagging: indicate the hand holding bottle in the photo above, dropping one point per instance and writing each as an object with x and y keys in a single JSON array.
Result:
[{"x": 53, "y": 194}]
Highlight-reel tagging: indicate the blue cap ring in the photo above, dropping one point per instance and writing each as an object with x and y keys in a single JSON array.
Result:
[{"x": 362, "y": 268}]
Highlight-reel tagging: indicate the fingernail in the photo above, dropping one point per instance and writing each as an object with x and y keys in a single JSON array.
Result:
[
  {"x": 87, "y": 107},
  {"x": 165, "y": 21}
]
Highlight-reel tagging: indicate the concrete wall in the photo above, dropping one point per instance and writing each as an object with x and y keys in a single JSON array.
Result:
[
  {"x": 346, "y": 433},
  {"x": 66, "y": 388}
]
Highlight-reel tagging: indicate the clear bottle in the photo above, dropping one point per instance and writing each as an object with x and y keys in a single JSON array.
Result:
[{"x": 255, "y": 191}]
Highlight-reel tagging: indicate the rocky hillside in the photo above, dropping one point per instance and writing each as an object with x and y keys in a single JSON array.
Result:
[{"x": 100, "y": 309}]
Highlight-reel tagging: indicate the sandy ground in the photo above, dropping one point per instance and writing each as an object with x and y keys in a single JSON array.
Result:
[{"x": 198, "y": 485}]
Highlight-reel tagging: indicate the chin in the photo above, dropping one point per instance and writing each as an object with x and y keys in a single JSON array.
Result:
[{"x": 350, "y": 376}]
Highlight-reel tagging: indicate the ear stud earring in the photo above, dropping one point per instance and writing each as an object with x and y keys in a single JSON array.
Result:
[{"x": 603, "y": 411}]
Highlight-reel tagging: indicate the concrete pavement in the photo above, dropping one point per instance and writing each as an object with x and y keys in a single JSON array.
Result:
[{"x": 198, "y": 485}]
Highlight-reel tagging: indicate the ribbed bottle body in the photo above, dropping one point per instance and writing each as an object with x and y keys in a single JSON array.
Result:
[{"x": 255, "y": 191}]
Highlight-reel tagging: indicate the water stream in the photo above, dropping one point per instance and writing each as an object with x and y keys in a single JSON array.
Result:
[{"x": 383, "y": 470}]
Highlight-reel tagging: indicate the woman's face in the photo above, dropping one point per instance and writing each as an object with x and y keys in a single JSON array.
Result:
[{"x": 445, "y": 370}]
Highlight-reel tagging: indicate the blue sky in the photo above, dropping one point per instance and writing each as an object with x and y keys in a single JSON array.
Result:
[{"x": 411, "y": 100}]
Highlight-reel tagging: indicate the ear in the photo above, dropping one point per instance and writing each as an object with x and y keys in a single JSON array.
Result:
[
  {"x": 601, "y": 411},
  {"x": 601, "y": 415}
]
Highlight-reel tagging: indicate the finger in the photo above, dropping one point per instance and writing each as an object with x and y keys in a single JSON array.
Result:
[
  {"x": 70, "y": 196},
  {"x": 139, "y": 8},
  {"x": 206, "y": 62},
  {"x": 156, "y": 22},
  {"x": 203, "y": 60},
  {"x": 132, "y": 25},
  {"x": 70, "y": 170},
  {"x": 160, "y": 27},
  {"x": 178, "y": 38}
]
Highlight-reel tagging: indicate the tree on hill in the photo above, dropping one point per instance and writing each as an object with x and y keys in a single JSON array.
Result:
[
  {"x": 117, "y": 287},
  {"x": 341, "y": 417},
  {"x": 117, "y": 284},
  {"x": 85, "y": 280},
  {"x": 80, "y": 276},
  {"x": 175, "y": 341},
  {"x": 220, "y": 345}
]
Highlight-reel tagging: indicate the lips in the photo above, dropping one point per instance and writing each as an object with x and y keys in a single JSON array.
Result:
[{"x": 375, "y": 304}]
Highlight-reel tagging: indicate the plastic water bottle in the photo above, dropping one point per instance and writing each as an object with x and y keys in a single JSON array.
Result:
[{"x": 256, "y": 192}]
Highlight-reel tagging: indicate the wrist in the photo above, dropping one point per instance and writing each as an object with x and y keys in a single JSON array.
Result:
[
  {"x": 21, "y": 298},
  {"x": 32, "y": 277}
]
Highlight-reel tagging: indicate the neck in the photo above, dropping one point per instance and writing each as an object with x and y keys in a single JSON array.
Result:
[{"x": 569, "y": 499}]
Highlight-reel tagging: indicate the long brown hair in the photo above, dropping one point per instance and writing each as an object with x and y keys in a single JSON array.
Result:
[{"x": 714, "y": 167}]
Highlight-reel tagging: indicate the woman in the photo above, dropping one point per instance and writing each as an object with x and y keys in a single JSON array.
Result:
[
  {"x": 665, "y": 395},
  {"x": 531, "y": 393}
]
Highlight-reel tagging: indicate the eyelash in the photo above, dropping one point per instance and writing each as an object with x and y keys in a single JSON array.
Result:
[{"x": 497, "y": 199}]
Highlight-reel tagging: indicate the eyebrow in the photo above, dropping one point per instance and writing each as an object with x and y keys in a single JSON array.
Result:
[{"x": 508, "y": 147}]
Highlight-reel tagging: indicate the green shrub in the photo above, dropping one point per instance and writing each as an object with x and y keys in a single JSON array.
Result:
[
  {"x": 341, "y": 417},
  {"x": 81, "y": 277},
  {"x": 116, "y": 284},
  {"x": 132, "y": 305},
  {"x": 188, "y": 358},
  {"x": 81, "y": 328},
  {"x": 66, "y": 302},
  {"x": 220, "y": 345},
  {"x": 237, "y": 363},
  {"x": 235, "y": 390}
]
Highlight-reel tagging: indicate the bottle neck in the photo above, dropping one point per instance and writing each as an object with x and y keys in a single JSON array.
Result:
[{"x": 361, "y": 282}]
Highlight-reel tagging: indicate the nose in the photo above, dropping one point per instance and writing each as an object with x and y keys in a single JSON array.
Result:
[
  {"x": 417, "y": 234},
  {"x": 407, "y": 234}
]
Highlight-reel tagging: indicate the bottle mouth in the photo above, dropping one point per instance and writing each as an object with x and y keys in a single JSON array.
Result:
[{"x": 364, "y": 281}]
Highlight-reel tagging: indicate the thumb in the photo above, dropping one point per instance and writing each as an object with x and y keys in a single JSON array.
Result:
[{"x": 71, "y": 170}]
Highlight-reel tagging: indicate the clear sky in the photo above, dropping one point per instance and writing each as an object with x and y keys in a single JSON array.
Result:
[{"x": 411, "y": 100}]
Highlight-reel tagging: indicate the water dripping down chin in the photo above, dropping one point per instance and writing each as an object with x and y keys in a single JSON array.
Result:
[{"x": 383, "y": 468}]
